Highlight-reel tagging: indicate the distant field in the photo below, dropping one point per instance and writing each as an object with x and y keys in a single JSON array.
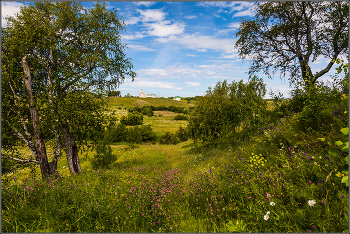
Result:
[{"x": 131, "y": 102}]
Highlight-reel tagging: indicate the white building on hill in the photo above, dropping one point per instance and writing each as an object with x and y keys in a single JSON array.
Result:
[
  {"x": 177, "y": 98},
  {"x": 142, "y": 94},
  {"x": 151, "y": 95}
]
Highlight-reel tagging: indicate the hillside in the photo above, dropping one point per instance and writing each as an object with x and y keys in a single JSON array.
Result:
[{"x": 134, "y": 101}]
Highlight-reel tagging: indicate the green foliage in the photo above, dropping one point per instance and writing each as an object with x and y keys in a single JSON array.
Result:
[
  {"x": 169, "y": 138},
  {"x": 134, "y": 135},
  {"x": 182, "y": 134},
  {"x": 114, "y": 94},
  {"x": 132, "y": 119},
  {"x": 181, "y": 117},
  {"x": 147, "y": 110},
  {"x": 121, "y": 133},
  {"x": 342, "y": 148},
  {"x": 227, "y": 107},
  {"x": 104, "y": 158}
]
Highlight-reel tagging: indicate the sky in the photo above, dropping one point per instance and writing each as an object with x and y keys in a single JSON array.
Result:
[{"x": 182, "y": 48}]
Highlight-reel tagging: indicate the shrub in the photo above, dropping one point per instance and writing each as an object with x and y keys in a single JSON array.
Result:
[
  {"x": 116, "y": 134},
  {"x": 169, "y": 138},
  {"x": 182, "y": 134},
  {"x": 134, "y": 135},
  {"x": 180, "y": 117},
  {"x": 104, "y": 157},
  {"x": 146, "y": 110},
  {"x": 132, "y": 119},
  {"x": 147, "y": 133}
]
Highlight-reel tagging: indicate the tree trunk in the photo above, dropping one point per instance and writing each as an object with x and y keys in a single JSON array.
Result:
[
  {"x": 71, "y": 150},
  {"x": 45, "y": 167}
]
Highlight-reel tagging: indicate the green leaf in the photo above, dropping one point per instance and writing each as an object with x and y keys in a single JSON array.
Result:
[
  {"x": 322, "y": 139},
  {"x": 345, "y": 131},
  {"x": 346, "y": 146},
  {"x": 345, "y": 180},
  {"x": 334, "y": 151},
  {"x": 338, "y": 143}
]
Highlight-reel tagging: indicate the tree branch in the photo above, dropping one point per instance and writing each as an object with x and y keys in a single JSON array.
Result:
[{"x": 19, "y": 160}]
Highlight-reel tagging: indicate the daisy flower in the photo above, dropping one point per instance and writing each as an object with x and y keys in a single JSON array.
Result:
[
  {"x": 266, "y": 217},
  {"x": 311, "y": 202},
  {"x": 272, "y": 203}
]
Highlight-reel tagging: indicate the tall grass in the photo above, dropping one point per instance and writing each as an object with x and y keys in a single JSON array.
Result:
[
  {"x": 282, "y": 180},
  {"x": 261, "y": 185}
]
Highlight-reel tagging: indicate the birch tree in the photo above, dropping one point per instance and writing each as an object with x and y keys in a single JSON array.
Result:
[
  {"x": 51, "y": 50},
  {"x": 290, "y": 36}
]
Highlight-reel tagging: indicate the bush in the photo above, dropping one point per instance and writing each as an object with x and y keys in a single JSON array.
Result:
[
  {"x": 104, "y": 157},
  {"x": 132, "y": 119},
  {"x": 147, "y": 133},
  {"x": 169, "y": 138},
  {"x": 134, "y": 135},
  {"x": 146, "y": 110},
  {"x": 181, "y": 117},
  {"x": 182, "y": 134}
]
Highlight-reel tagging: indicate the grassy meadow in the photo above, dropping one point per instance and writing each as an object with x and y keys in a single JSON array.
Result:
[{"x": 255, "y": 185}]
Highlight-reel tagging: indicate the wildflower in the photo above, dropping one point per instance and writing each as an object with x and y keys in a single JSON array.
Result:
[
  {"x": 268, "y": 195},
  {"x": 311, "y": 202},
  {"x": 272, "y": 203},
  {"x": 342, "y": 196},
  {"x": 266, "y": 217},
  {"x": 267, "y": 213},
  {"x": 310, "y": 181},
  {"x": 310, "y": 231},
  {"x": 313, "y": 227}
]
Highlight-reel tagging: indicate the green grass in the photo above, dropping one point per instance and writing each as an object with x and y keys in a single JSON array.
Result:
[
  {"x": 125, "y": 102},
  {"x": 174, "y": 188}
]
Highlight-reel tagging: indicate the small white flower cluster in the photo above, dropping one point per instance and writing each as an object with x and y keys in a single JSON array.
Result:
[{"x": 266, "y": 217}]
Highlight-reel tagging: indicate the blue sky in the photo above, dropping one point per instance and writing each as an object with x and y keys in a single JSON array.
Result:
[{"x": 182, "y": 48}]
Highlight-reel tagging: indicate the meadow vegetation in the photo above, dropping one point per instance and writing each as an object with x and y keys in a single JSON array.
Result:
[{"x": 280, "y": 167}]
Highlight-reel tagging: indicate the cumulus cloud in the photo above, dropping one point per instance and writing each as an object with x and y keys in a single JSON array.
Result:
[
  {"x": 165, "y": 29},
  {"x": 154, "y": 20},
  {"x": 152, "y": 15},
  {"x": 244, "y": 13},
  {"x": 146, "y": 4},
  {"x": 191, "y": 17},
  {"x": 204, "y": 43},
  {"x": 193, "y": 84},
  {"x": 9, "y": 9},
  {"x": 132, "y": 20}
]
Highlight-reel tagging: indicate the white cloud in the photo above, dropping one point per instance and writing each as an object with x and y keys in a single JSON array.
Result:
[
  {"x": 139, "y": 48},
  {"x": 204, "y": 43},
  {"x": 191, "y": 17},
  {"x": 9, "y": 9},
  {"x": 193, "y": 84},
  {"x": 146, "y": 4},
  {"x": 209, "y": 4},
  {"x": 244, "y": 13},
  {"x": 132, "y": 20},
  {"x": 191, "y": 55},
  {"x": 165, "y": 29},
  {"x": 147, "y": 83},
  {"x": 234, "y": 25},
  {"x": 132, "y": 37},
  {"x": 151, "y": 15},
  {"x": 157, "y": 26}
]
